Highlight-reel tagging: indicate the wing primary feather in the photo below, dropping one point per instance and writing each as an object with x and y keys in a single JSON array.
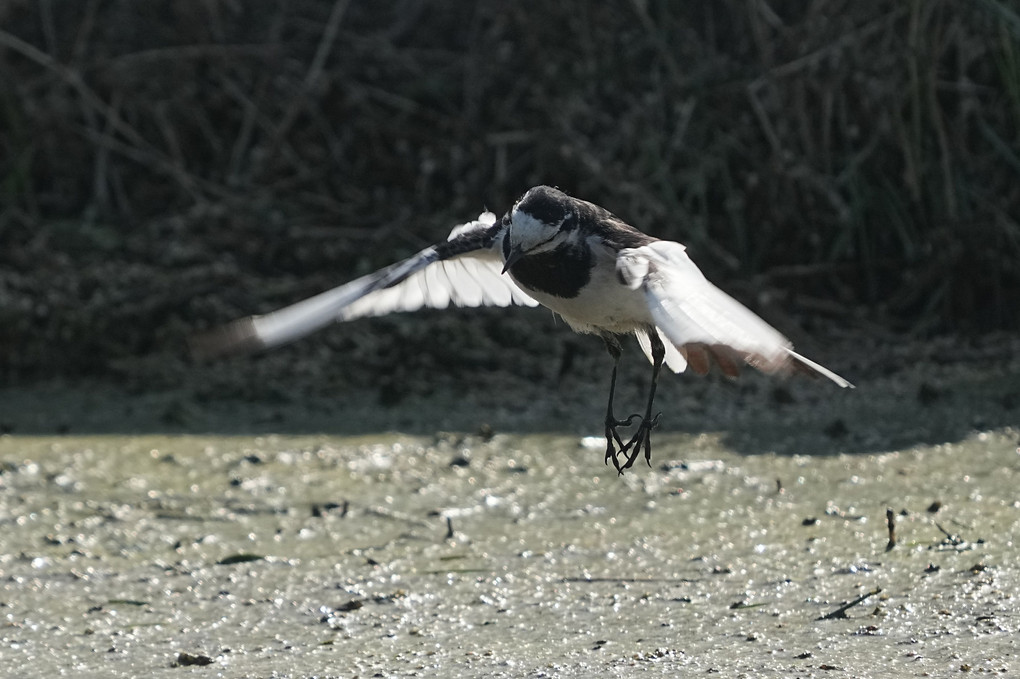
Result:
[
  {"x": 724, "y": 358},
  {"x": 702, "y": 321},
  {"x": 297, "y": 320},
  {"x": 237, "y": 337},
  {"x": 810, "y": 367},
  {"x": 697, "y": 357},
  {"x": 464, "y": 270}
]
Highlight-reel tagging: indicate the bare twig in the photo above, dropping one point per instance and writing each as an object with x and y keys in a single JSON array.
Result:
[
  {"x": 179, "y": 52},
  {"x": 890, "y": 520},
  {"x": 627, "y": 580},
  {"x": 314, "y": 73},
  {"x": 666, "y": 52},
  {"x": 138, "y": 148},
  {"x": 74, "y": 79},
  {"x": 841, "y": 611}
]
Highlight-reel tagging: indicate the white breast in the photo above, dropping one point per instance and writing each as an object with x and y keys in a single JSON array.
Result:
[{"x": 604, "y": 304}]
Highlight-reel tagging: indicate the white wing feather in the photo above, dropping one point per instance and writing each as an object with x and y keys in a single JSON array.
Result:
[
  {"x": 674, "y": 359},
  {"x": 468, "y": 280},
  {"x": 689, "y": 310}
]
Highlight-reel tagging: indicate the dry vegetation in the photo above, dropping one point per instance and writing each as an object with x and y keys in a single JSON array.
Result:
[{"x": 171, "y": 165}]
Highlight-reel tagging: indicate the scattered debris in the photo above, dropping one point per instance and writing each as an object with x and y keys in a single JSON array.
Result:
[
  {"x": 740, "y": 605},
  {"x": 239, "y": 558},
  {"x": 318, "y": 511},
  {"x": 951, "y": 541},
  {"x": 841, "y": 611},
  {"x": 832, "y": 510},
  {"x": 191, "y": 659},
  {"x": 352, "y": 605},
  {"x": 868, "y": 631},
  {"x": 890, "y": 520}
]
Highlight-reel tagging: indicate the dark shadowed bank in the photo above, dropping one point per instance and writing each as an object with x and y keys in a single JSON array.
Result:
[{"x": 840, "y": 166}]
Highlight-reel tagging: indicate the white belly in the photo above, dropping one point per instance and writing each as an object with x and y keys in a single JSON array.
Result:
[{"x": 603, "y": 305}]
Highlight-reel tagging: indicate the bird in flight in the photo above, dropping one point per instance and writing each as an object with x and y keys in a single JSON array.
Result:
[{"x": 601, "y": 275}]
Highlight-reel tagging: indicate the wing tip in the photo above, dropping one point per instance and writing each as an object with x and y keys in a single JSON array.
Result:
[
  {"x": 239, "y": 337},
  {"x": 807, "y": 366}
]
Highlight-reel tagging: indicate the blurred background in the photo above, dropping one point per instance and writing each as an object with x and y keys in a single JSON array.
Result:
[{"x": 847, "y": 168}]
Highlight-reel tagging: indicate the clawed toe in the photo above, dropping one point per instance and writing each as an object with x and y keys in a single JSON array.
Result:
[
  {"x": 642, "y": 439},
  {"x": 614, "y": 442}
]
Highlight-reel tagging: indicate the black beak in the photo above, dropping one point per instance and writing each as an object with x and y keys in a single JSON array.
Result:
[{"x": 515, "y": 254}]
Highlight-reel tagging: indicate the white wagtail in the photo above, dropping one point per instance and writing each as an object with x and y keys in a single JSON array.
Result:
[{"x": 601, "y": 275}]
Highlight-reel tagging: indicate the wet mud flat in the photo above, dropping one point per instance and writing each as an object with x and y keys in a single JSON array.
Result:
[{"x": 516, "y": 555}]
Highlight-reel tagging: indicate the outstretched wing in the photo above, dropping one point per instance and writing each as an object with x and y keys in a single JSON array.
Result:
[
  {"x": 463, "y": 271},
  {"x": 704, "y": 323}
]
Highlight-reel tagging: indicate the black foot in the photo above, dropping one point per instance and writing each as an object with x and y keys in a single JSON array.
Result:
[
  {"x": 614, "y": 443},
  {"x": 642, "y": 439}
]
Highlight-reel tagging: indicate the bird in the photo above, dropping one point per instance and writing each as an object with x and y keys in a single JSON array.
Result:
[{"x": 601, "y": 275}]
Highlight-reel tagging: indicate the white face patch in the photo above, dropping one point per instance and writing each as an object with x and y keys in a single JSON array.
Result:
[{"x": 533, "y": 235}]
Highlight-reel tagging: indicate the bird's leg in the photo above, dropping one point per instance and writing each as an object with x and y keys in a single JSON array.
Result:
[
  {"x": 613, "y": 438},
  {"x": 643, "y": 436}
]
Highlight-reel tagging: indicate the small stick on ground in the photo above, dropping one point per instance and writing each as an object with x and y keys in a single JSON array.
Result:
[
  {"x": 841, "y": 611},
  {"x": 449, "y": 528},
  {"x": 890, "y": 520},
  {"x": 952, "y": 538}
]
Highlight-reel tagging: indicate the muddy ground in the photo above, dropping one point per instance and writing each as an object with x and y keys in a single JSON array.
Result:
[{"x": 472, "y": 529}]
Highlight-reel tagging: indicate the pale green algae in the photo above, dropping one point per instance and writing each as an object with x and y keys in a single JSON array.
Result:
[{"x": 330, "y": 556}]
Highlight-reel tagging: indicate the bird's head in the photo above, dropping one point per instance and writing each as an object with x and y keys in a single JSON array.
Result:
[{"x": 542, "y": 220}]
